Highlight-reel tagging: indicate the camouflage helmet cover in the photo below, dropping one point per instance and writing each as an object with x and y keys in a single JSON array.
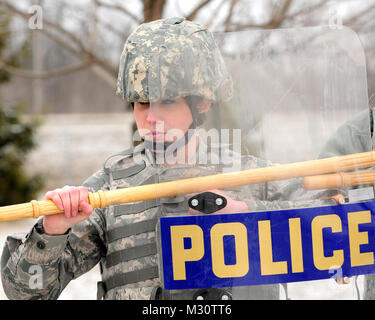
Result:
[{"x": 171, "y": 58}]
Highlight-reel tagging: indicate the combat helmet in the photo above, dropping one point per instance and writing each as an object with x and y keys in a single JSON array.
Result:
[{"x": 171, "y": 58}]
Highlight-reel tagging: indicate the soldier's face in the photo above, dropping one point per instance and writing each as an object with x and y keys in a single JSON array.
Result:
[{"x": 163, "y": 120}]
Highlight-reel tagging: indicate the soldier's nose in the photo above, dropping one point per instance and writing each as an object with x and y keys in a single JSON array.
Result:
[{"x": 154, "y": 114}]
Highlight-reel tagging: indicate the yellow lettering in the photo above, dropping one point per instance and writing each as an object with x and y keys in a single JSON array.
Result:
[
  {"x": 296, "y": 244},
  {"x": 219, "y": 268},
  {"x": 267, "y": 265},
  {"x": 357, "y": 238},
  {"x": 179, "y": 254},
  {"x": 321, "y": 262}
]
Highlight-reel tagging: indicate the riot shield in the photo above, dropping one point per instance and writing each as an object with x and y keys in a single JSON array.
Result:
[{"x": 261, "y": 100}]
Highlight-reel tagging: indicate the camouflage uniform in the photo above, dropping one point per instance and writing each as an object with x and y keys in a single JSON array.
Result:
[{"x": 122, "y": 237}]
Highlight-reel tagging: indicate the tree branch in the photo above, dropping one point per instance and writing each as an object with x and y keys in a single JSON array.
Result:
[
  {"x": 153, "y": 9},
  {"x": 158, "y": 9},
  {"x": 105, "y": 76},
  {"x": 359, "y": 15},
  {"x": 119, "y": 8},
  {"x": 47, "y": 22},
  {"x": 306, "y": 10},
  {"x": 94, "y": 34},
  {"x": 83, "y": 53},
  {"x": 110, "y": 27},
  {"x": 214, "y": 13},
  {"x": 193, "y": 13},
  {"x": 230, "y": 13},
  {"x": 279, "y": 17},
  {"x": 47, "y": 74}
]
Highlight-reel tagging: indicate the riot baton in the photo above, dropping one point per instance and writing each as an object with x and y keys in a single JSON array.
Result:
[
  {"x": 102, "y": 199},
  {"x": 339, "y": 180}
]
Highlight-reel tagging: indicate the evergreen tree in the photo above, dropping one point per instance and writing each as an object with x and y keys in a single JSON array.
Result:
[{"x": 17, "y": 136}]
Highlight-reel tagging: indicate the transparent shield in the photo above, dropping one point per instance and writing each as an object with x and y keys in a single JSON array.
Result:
[{"x": 233, "y": 131}]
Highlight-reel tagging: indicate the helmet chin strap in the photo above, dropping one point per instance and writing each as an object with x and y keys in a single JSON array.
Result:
[{"x": 168, "y": 148}]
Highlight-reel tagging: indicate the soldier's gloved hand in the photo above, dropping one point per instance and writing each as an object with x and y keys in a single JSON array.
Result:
[
  {"x": 232, "y": 206},
  {"x": 74, "y": 202}
]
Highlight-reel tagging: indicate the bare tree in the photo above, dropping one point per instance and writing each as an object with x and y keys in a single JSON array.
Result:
[{"x": 220, "y": 15}]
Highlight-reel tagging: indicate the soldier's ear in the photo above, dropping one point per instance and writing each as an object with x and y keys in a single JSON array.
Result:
[{"x": 203, "y": 106}]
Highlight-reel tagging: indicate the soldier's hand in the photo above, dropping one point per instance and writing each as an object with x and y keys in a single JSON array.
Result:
[{"x": 74, "y": 202}]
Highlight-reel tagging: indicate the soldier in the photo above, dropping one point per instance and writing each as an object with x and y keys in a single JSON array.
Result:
[
  {"x": 353, "y": 137},
  {"x": 122, "y": 237}
]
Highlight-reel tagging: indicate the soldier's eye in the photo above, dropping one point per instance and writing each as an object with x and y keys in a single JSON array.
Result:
[{"x": 143, "y": 104}]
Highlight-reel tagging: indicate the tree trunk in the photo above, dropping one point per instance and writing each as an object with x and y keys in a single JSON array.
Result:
[{"x": 153, "y": 9}]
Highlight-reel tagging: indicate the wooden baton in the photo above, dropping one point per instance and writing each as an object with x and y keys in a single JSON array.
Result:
[
  {"x": 340, "y": 180},
  {"x": 102, "y": 199}
]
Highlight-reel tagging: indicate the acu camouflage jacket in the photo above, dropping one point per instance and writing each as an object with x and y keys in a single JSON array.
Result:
[{"x": 122, "y": 238}]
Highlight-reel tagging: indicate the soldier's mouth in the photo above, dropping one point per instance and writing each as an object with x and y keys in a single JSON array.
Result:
[{"x": 155, "y": 136}]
